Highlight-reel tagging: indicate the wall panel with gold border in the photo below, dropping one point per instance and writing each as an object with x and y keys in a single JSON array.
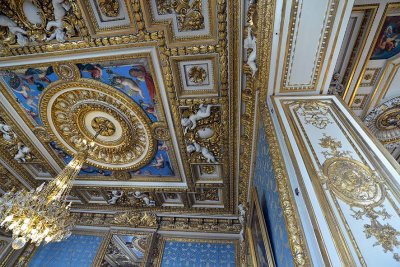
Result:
[
  {"x": 348, "y": 182},
  {"x": 306, "y": 43}
]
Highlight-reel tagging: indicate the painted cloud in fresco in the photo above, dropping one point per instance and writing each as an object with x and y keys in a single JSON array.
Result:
[
  {"x": 388, "y": 42},
  {"x": 134, "y": 80}
]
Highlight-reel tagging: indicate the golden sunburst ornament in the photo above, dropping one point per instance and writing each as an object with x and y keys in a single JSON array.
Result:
[{"x": 197, "y": 74}]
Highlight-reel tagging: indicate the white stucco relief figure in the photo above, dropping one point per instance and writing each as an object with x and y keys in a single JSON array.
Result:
[
  {"x": 20, "y": 34},
  {"x": 23, "y": 153},
  {"x": 195, "y": 147},
  {"x": 242, "y": 220},
  {"x": 191, "y": 122},
  {"x": 7, "y": 132},
  {"x": 60, "y": 10},
  {"x": 250, "y": 43},
  {"x": 145, "y": 197},
  {"x": 115, "y": 195},
  {"x": 31, "y": 12},
  {"x": 336, "y": 88}
]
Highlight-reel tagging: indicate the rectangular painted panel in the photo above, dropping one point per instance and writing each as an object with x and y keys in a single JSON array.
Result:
[
  {"x": 349, "y": 183},
  {"x": 177, "y": 254},
  {"x": 76, "y": 251},
  {"x": 308, "y": 41},
  {"x": 264, "y": 181}
]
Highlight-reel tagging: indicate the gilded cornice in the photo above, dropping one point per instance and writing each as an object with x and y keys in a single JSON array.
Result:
[
  {"x": 164, "y": 223},
  {"x": 260, "y": 18},
  {"x": 266, "y": 15}
]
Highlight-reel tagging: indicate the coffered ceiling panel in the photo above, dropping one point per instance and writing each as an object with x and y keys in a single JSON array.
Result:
[{"x": 155, "y": 72}]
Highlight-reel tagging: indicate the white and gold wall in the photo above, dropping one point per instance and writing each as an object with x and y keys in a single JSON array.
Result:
[{"x": 345, "y": 185}]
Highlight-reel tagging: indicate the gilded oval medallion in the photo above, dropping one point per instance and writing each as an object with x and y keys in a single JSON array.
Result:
[
  {"x": 77, "y": 110},
  {"x": 353, "y": 182}
]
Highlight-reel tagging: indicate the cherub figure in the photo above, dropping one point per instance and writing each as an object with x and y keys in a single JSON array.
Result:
[
  {"x": 23, "y": 153},
  {"x": 159, "y": 163},
  {"x": 250, "y": 43},
  {"x": 61, "y": 8},
  {"x": 127, "y": 83},
  {"x": 22, "y": 40},
  {"x": 145, "y": 197},
  {"x": 115, "y": 195},
  {"x": 8, "y": 133},
  {"x": 30, "y": 99},
  {"x": 191, "y": 122},
  {"x": 195, "y": 147}
]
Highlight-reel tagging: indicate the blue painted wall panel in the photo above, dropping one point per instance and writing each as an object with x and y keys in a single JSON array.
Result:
[
  {"x": 76, "y": 251},
  {"x": 178, "y": 254},
  {"x": 264, "y": 181}
]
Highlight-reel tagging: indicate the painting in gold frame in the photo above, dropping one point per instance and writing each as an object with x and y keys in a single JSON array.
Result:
[{"x": 257, "y": 234}]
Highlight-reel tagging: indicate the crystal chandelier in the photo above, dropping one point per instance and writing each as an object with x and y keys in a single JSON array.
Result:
[{"x": 42, "y": 214}]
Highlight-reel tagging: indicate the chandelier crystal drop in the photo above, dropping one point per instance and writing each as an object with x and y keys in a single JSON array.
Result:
[{"x": 42, "y": 214}]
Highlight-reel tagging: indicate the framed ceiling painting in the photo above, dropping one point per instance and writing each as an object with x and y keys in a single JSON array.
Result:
[
  {"x": 125, "y": 248},
  {"x": 257, "y": 234}
]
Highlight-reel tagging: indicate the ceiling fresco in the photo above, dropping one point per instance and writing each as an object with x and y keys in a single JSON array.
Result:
[
  {"x": 134, "y": 80},
  {"x": 160, "y": 74},
  {"x": 387, "y": 44}
]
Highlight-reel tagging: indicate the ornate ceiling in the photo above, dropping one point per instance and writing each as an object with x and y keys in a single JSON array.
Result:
[
  {"x": 160, "y": 74},
  {"x": 178, "y": 85}
]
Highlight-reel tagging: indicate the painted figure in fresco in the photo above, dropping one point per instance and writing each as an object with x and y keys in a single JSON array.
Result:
[
  {"x": 191, "y": 122},
  {"x": 96, "y": 71},
  {"x": 127, "y": 83},
  {"x": 159, "y": 163},
  {"x": 195, "y": 147},
  {"x": 8, "y": 133},
  {"x": 149, "y": 108},
  {"x": 147, "y": 173},
  {"x": 389, "y": 39},
  {"x": 140, "y": 73},
  {"x": 145, "y": 197},
  {"x": 114, "y": 196},
  {"x": 163, "y": 147},
  {"x": 31, "y": 74},
  {"x": 23, "y": 153},
  {"x": 25, "y": 91}
]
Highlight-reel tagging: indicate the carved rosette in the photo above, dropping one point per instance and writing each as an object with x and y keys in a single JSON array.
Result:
[
  {"x": 74, "y": 111},
  {"x": 384, "y": 121}
]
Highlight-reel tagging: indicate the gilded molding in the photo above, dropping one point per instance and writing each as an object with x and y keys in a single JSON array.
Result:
[
  {"x": 219, "y": 47},
  {"x": 293, "y": 225},
  {"x": 163, "y": 223}
]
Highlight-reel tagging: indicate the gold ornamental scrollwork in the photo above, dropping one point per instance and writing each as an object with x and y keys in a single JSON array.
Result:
[
  {"x": 67, "y": 71},
  {"x": 362, "y": 189},
  {"x": 42, "y": 134},
  {"x": 353, "y": 182},
  {"x": 122, "y": 175},
  {"x": 189, "y": 13},
  {"x": 160, "y": 131},
  {"x": 109, "y": 8},
  {"x": 136, "y": 219},
  {"x": 72, "y": 111},
  {"x": 197, "y": 74}
]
